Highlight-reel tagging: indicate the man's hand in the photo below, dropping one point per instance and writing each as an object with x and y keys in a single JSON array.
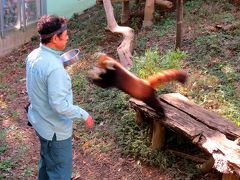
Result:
[{"x": 89, "y": 122}]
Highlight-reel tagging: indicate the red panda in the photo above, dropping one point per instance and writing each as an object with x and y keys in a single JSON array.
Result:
[{"x": 109, "y": 73}]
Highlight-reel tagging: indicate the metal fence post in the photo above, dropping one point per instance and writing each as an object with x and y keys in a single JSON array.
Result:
[
  {"x": 1, "y": 19},
  {"x": 23, "y": 18},
  {"x": 43, "y": 7}
]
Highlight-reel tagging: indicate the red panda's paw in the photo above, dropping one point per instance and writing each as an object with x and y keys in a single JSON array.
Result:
[{"x": 95, "y": 73}]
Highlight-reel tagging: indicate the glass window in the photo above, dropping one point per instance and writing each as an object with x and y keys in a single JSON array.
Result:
[
  {"x": 17, "y": 14},
  {"x": 30, "y": 11},
  {"x": 10, "y": 13}
]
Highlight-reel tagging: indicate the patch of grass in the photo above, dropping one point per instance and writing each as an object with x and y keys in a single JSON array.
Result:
[
  {"x": 224, "y": 17},
  {"x": 14, "y": 114},
  {"x": 7, "y": 165},
  {"x": 134, "y": 140},
  {"x": 19, "y": 136},
  {"x": 152, "y": 63},
  {"x": 160, "y": 29},
  {"x": 22, "y": 149},
  {"x": 3, "y": 148},
  {"x": 28, "y": 172},
  {"x": 190, "y": 5},
  {"x": 2, "y": 74},
  {"x": 3, "y": 85},
  {"x": 217, "y": 56},
  {"x": 164, "y": 27}
]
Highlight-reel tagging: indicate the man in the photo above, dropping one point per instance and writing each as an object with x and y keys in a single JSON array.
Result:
[{"x": 50, "y": 93}]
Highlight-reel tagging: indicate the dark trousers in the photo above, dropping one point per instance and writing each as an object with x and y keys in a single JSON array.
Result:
[{"x": 55, "y": 159}]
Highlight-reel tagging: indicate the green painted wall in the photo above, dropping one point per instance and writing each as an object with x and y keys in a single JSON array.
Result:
[{"x": 68, "y": 7}]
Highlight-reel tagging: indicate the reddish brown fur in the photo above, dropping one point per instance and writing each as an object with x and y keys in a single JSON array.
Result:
[{"x": 113, "y": 74}]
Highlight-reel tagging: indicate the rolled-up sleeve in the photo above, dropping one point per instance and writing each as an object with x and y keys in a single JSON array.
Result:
[{"x": 60, "y": 95}]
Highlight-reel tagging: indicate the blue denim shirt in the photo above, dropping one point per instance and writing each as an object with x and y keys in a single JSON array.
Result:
[{"x": 50, "y": 93}]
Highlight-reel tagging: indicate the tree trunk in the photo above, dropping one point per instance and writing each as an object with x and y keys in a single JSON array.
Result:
[
  {"x": 179, "y": 24},
  {"x": 148, "y": 13},
  {"x": 126, "y": 47},
  {"x": 125, "y": 12}
]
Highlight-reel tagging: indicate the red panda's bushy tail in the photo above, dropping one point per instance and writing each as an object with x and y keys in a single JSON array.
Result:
[{"x": 165, "y": 76}]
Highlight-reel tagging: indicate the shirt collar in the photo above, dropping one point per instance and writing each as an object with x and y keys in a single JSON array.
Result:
[{"x": 57, "y": 52}]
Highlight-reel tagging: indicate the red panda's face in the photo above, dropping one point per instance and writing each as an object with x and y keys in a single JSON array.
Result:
[{"x": 102, "y": 65}]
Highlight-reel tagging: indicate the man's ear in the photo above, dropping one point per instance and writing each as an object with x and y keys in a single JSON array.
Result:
[{"x": 55, "y": 38}]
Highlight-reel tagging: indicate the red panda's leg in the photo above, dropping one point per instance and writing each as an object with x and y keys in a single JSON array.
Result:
[{"x": 154, "y": 103}]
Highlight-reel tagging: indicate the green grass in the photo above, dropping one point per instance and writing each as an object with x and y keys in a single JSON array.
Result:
[
  {"x": 133, "y": 139},
  {"x": 7, "y": 164},
  {"x": 3, "y": 85},
  {"x": 151, "y": 62},
  {"x": 28, "y": 172},
  {"x": 2, "y": 134},
  {"x": 3, "y": 148}
]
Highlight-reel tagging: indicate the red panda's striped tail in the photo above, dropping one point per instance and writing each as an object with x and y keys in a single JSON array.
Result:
[{"x": 165, "y": 76}]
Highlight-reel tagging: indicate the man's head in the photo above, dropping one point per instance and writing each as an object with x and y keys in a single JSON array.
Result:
[{"x": 53, "y": 31}]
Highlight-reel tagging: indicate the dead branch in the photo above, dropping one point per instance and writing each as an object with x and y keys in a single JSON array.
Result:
[{"x": 126, "y": 47}]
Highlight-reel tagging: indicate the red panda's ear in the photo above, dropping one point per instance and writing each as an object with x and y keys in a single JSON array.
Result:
[
  {"x": 109, "y": 64},
  {"x": 97, "y": 55},
  {"x": 102, "y": 57}
]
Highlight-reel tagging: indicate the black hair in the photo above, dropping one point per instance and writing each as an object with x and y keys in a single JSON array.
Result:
[{"x": 49, "y": 24}]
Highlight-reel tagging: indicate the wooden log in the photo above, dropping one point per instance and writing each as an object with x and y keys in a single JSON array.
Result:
[
  {"x": 230, "y": 177},
  {"x": 164, "y": 3},
  {"x": 113, "y": 1},
  {"x": 158, "y": 135},
  {"x": 148, "y": 13},
  {"x": 139, "y": 118},
  {"x": 207, "y": 166},
  {"x": 205, "y": 117},
  {"x": 126, "y": 47},
  {"x": 228, "y": 27},
  {"x": 237, "y": 141},
  {"x": 187, "y": 156},
  {"x": 179, "y": 24},
  {"x": 209, "y": 131},
  {"x": 157, "y": 131},
  {"x": 125, "y": 12}
]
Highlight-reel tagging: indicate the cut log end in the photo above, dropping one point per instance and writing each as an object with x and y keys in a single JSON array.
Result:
[{"x": 164, "y": 3}]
